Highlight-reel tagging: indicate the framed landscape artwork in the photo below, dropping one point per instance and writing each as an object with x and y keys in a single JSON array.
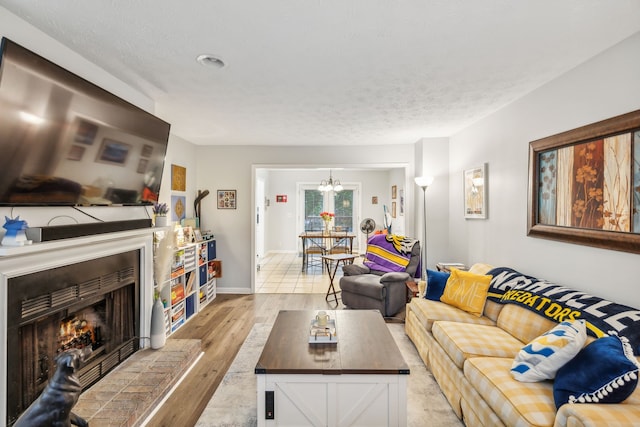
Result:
[
  {"x": 584, "y": 185},
  {"x": 475, "y": 192}
]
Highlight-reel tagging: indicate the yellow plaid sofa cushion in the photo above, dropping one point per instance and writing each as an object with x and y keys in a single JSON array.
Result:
[
  {"x": 428, "y": 311},
  {"x": 461, "y": 341},
  {"x": 516, "y": 403},
  {"x": 523, "y": 324}
]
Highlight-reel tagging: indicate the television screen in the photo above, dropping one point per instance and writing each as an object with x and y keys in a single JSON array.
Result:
[{"x": 65, "y": 141}]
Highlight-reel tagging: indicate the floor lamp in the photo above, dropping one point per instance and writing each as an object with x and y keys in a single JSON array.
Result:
[{"x": 424, "y": 182}]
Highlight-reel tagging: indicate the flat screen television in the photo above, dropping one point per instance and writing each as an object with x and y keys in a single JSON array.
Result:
[{"x": 66, "y": 142}]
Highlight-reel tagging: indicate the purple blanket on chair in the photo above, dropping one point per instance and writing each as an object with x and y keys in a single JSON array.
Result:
[{"x": 389, "y": 253}]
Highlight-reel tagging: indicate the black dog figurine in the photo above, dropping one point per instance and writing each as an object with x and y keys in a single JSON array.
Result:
[{"x": 53, "y": 406}]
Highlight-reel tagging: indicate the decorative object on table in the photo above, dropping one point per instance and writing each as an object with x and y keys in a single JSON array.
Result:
[
  {"x": 15, "y": 235},
  {"x": 326, "y": 218},
  {"x": 179, "y": 204},
  {"x": 584, "y": 185},
  {"x": 323, "y": 329},
  {"x": 178, "y": 178},
  {"x": 367, "y": 226},
  {"x": 196, "y": 204},
  {"x": 330, "y": 185},
  {"x": 475, "y": 192},
  {"x": 53, "y": 406},
  {"x": 227, "y": 199},
  {"x": 424, "y": 182},
  {"x": 160, "y": 211}
]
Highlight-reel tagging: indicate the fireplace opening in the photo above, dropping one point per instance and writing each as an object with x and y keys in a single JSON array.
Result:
[{"x": 93, "y": 304}]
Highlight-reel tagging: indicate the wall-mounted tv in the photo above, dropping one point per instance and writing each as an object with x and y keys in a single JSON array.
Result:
[{"x": 65, "y": 142}]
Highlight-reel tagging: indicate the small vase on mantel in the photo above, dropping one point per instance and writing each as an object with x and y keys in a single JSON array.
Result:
[{"x": 162, "y": 221}]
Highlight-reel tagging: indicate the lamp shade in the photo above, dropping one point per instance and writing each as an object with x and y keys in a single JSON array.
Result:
[{"x": 423, "y": 181}]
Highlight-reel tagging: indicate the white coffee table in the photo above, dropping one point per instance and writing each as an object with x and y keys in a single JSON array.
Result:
[{"x": 361, "y": 379}]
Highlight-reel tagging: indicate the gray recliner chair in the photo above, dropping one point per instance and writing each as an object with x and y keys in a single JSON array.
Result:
[{"x": 363, "y": 288}]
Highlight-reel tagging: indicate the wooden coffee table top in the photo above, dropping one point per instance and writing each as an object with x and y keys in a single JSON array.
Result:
[{"x": 365, "y": 346}]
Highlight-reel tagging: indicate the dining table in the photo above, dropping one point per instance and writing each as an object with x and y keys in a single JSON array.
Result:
[{"x": 332, "y": 242}]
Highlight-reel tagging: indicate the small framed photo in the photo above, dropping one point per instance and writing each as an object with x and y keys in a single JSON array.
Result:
[
  {"x": 281, "y": 198},
  {"x": 146, "y": 150},
  {"x": 374, "y": 200},
  {"x": 142, "y": 165},
  {"x": 226, "y": 199},
  {"x": 75, "y": 153},
  {"x": 86, "y": 132},
  {"x": 475, "y": 192},
  {"x": 393, "y": 209},
  {"x": 394, "y": 191},
  {"x": 114, "y": 152},
  {"x": 197, "y": 235}
]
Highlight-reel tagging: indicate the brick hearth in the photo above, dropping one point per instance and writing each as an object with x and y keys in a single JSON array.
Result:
[{"x": 128, "y": 394}]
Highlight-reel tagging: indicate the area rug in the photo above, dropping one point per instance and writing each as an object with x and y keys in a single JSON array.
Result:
[{"x": 234, "y": 402}]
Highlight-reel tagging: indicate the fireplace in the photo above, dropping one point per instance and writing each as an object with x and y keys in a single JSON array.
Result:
[{"x": 93, "y": 304}]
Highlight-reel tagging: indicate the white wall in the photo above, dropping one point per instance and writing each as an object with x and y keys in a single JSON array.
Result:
[
  {"x": 229, "y": 167},
  {"x": 603, "y": 87}
]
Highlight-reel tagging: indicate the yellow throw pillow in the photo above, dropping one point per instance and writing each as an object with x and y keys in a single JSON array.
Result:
[{"x": 467, "y": 291}]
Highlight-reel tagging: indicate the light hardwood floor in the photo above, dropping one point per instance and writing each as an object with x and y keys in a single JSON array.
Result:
[{"x": 223, "y": 326}]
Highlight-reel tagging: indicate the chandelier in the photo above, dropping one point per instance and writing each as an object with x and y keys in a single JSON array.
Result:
[{"x": 330, "y": 185}]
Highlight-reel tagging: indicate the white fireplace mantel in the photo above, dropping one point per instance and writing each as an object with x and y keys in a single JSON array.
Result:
[{"x": 22, "y": 260}]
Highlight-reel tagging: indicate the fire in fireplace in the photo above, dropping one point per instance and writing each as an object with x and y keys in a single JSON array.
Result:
[{"x": 92, "y": 304}]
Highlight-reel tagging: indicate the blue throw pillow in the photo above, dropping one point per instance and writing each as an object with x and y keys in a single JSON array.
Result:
[
  {"x": 436, "y": 281},
  {"x": 605, "y": 371}
]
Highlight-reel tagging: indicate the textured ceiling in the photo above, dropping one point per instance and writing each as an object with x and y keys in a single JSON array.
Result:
[{"x": 311, "y": 72}]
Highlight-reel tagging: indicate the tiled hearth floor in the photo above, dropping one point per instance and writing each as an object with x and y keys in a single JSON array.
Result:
[
  {"x": 280, "y": 273},
  {"x": 129, "y": 393}
]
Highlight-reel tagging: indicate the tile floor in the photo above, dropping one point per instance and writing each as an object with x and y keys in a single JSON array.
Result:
[{"x": 281, "y": 273}]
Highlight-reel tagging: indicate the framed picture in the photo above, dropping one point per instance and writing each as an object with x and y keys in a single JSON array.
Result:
[
  {"x": 178, "y": 208},
  {"x": 142, "y": 165},
  {"x": 114, "y": 152},
  {"x": 374, "y": 200},
  {"x": 394, "y": 191},
  {"x": 226, "y": 199},
  {"x": 86, "y": 132},
  {"x": 584, "y": 185},
  {"x": 75, "y": 153},
  {"x": 401, "y": 202},
  {"x": 281, "y": 198},
  {"x": 146, "y": 150},
  {"x": 475, "y": 192},
  {"x": 197, "y": 234},
  {"x": 393, "y": 209},
  {"x": 178, "y": 178}
]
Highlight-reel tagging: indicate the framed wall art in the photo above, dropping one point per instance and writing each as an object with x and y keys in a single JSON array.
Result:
[
  {"x": 394, "y": 191},
  {"x": 584, "y": 185},
  {"x": 114, "y": 152},
  {"x": 178, "y": 178},
  {"x": 226, "y": 199},
  {"x": 475, "y": 192}
]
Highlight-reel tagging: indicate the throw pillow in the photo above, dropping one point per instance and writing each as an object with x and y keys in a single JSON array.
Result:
[
  {"x": 541, "y": 358},
  {"x": 467, "y": 291},
  {"x": 605, "y": 371},
  {"x": 436, "y": 281}
]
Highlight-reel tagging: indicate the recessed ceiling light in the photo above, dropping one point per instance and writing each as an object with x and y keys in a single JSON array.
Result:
[{"x": 210, "y": 60}]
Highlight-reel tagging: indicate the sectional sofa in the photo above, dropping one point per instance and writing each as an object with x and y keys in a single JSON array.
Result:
[{"x": 471, "y": 354}]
